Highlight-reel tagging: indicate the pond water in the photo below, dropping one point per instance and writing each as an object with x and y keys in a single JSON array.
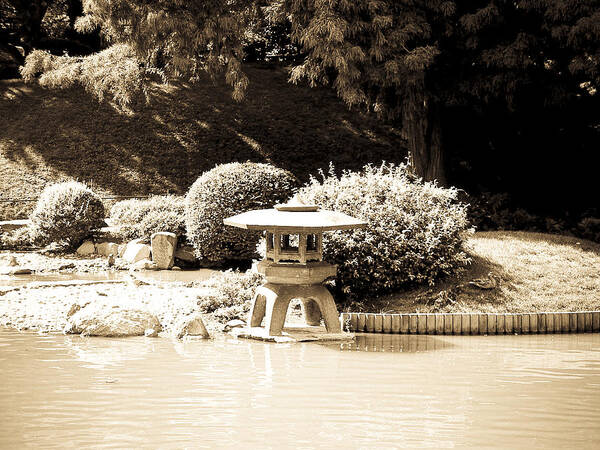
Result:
[
  {"x": 181, "y": 276},
  {"x": 381, "y": 391}
]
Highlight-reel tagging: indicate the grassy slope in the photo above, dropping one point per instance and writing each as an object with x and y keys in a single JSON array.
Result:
[
  {"x": 536, "y": 272},
  {"x": 51, "y": 135}
]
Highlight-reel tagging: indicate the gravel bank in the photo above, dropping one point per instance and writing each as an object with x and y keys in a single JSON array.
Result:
[{"x": 44, "y": 307}]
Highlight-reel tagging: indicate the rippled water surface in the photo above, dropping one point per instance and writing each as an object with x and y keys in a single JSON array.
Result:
[{"x": 379, "y": 392}]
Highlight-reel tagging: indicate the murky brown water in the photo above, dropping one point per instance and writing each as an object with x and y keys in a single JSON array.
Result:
[{"x": 382, "y": 391}]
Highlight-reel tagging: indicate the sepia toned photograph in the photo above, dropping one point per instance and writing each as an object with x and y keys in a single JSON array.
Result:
[{"x": 299, "y": 224}]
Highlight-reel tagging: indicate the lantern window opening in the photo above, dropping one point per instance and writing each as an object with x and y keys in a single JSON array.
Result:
[
  {"x": 312, "y": 241},
  {"x": 290, "y": 243},
  {"x": 270, "y": 239}
]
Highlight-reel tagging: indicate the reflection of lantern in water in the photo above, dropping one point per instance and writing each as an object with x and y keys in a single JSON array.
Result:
[{"x": 294, "y": 265}]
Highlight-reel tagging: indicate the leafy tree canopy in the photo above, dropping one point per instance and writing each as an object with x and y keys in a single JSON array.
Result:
[{"x": 407, "y": 60}]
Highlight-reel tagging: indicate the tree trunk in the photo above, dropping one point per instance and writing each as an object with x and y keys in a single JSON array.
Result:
[{"x": 422, "y": 123}]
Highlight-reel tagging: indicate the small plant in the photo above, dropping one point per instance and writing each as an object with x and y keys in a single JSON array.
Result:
[
  {"x": 232, "y": 297},
  {"x": 138, "y": 218},
  {"x": 16, "y": 239},
  {"x": 224, "y": 191},
  {"x": 414, "y": 234},
  {"x": 65, "y": 213}
]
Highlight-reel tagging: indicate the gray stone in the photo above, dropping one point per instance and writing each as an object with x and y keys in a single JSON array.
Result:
[
  {"x": 87, "y": 248},
  {"x": 186, "y": 254},
  {"x": 235, "y": 323},
  {"x": 135, "y": 252},
  {"x": 102, "y": 320},
  {"x": 10, "y": 261},
  {"x": 107, "y": 248},
  {"x": 15, "y": 271},
  {"x": 191, "y": 326},
  {"x": 144, "y": 264},
  {"x": 175, "y": 268},
  {"x": 163, "y": 249}
]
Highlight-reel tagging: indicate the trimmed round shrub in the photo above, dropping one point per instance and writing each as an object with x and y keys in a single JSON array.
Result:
[
  {"x": 65, "y": 213},
  {"x": 414, "y": 233},
  {"x": 137, "y": 218},
  {"x": 224, "y": 191}
]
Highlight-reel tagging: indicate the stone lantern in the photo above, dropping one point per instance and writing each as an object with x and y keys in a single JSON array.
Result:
[{"x": 294, "y": 266}]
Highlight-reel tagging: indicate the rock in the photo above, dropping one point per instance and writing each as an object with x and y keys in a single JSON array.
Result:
[
  {"x": 491, "y": 282},
  {"x": 186, "y": 254},
  {"x": 144, "y": 264},
  {"x": 235, "y": 323},
  {"x": 66, "y": 266},
  {"x": 191, "y": 326},
  {"x": 15, "y": 271},
  {"x": 87, "y": 248},
  {"x": 107, "y": 248},
  {"x": 175, "y": 268},
  {"x": 121, "y": 250},
  {"x": 102, "y": 320},
  {"x": 163, "y": 249},
  {"x": 111, "y": 260},
  {"x": 135, "y": 252},
  {"x": 11, "y": 261}
]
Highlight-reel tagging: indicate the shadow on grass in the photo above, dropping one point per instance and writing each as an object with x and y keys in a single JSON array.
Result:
[
  {"x": 184, "y": 131},
  {"x": 447, "y": 292}
]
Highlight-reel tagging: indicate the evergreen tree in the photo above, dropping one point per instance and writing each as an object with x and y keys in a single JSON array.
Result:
[{"x": 407, "y": 60}]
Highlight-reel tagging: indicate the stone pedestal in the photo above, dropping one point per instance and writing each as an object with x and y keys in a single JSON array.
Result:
[
  {"x": 271, "y": 302},
  {"x": 289, "y": 281}
]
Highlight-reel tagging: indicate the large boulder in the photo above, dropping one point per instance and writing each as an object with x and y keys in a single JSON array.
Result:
[
  {"x": 163, "y": 249},
  {"x": 186, "y": 253},
  {"x": 111, "y": 321},
  {"x": 87, "y": 248},
  {"x": 107, "y": 248},
  {"x": 136, "y": 251}
]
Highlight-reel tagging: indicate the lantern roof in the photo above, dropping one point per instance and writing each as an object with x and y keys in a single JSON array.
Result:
[{"x": 295, "y": 216}]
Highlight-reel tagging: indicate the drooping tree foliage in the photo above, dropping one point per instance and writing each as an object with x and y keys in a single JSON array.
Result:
[{"x": 408, "y": 60}]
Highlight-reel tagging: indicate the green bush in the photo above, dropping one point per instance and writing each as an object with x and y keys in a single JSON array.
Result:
[
  {"x": 232, "y": 295},
  {"x": 226, "y": 190},
  {"x": 65, "y": 213},
  {"x": 138, "y": 218},
  {"x": 414, "y": 233}
]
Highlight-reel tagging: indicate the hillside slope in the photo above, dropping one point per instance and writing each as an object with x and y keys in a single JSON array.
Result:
[{"x": 52, "y": 135}]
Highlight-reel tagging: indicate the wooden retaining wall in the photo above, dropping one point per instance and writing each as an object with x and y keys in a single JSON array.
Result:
[{"x": 475, "y": 323}]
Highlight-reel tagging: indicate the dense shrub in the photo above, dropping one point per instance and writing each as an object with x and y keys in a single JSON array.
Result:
[
  {"x": 495, "y": 211},
  {"x": 138, "y": 218},
  {"x": 226, "y": 190},
  {"x": 65, "y": 213},
  {"x": 414, "y": 232},
  {"x": 232, "y": 295},
  {"x": 589, "y": 228}
]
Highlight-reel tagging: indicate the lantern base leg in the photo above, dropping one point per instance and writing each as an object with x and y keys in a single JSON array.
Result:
[{"x": 271, "y": 302}]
